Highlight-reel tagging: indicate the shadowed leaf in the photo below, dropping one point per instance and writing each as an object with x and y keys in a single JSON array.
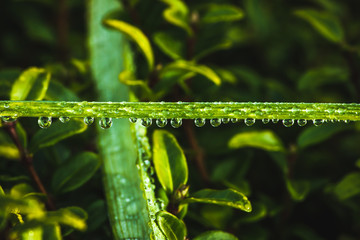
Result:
[
  {"x": 172, "y": 227},
  {"x": 215, "y": 235}
]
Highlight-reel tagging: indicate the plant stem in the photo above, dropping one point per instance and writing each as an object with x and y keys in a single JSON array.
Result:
[
  {"x": 185, "y": 110},
  {"x": 27, "y": 160}
]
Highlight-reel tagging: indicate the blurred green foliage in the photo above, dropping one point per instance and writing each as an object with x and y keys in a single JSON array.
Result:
[{"x": 302, "y": 182}]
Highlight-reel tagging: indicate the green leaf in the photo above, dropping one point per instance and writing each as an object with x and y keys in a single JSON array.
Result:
[
  {"x": 20, "y": 190},
  {"x": 318, "y": 77},
  {"x": 9, "y": 151},
  {"x": 314, "y": 135},
  {"x": 326, "y": 24},
  {"x": 169, "y": 161},
  {"x": 172, "y": 227},
  {"x": 21, "y": 134},
  {"x": 51, "y": 231},
  {"x": 137, "y": 36},
  {"x": 226, "y": 44},
  {"x": 222, "y": 13},
  {"x": 177, "y": 14},
  {"x": 56, "y": 91},
  {"x": 75, "y": 172},
  {"x": 192, "y": 67},
  {"x": 298, "y": 189},
  {"x": 215, "y": 235},
  {"x": 348, "y": 187},
  {"x": 259, "y": 211},
  {"x": 266, "y": 140},
  {"x": 97, "y": 214},
  {"x": 228, "y": 197},
  {"x": 31, "y": 85},
  {"x": 170, "y": 45},
  {"x": 57, "y": 132},
  {"x": 127, "y": 77}
]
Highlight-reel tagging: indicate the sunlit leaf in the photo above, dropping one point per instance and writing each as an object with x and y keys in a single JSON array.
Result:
[
  {"x": 127, "y": 77},
  {"x": 348, "y": 187},
  {"x": 57, "y": 132},
  {"x": 313, "y": 135},
  {"x": 326, "y": 24},
  {"x": 228, "y": 197},
  {"x": 192, "y": 67},
  {"x": 135, "y": 35},
  {"x": 31, "y": 85},
  {"x": 177, "y": 14},
  {"x": 169, "y": 161},
  {"x": 171, "y": 46},
  {"x": 298, "y": 189},
  {"x": 20, "y": 190},
  {"x": 172, "y": 227},
  {"x": 9, "y": 151},
  {"x": 75, "y": 172},
  {"x": 266, "y": 140},
  {"x": 215, "y": 235},
  {"x": 222, "y": 13}
]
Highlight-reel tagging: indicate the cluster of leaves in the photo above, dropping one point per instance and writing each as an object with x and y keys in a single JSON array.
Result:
[{"x": 296, "y": 178}]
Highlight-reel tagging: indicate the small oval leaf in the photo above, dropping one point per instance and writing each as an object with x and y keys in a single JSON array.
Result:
[
  {"x": 349, "y": 186},
  {"x": 222, "y": 13},
  {"x": 172, "y": 227},
  {"x": 137, "y": 36},
  {"x": 192, "y": 67},
  {"x": 266, "y": 140},
  {"x": 75, "y": 172},
  {"x": 298, "y": 189},
  {"x": 57, "y": 132},
  {"x": 168, "y": 44},
  {"x": 177, "y": 14},
  {"x": 169, "y": 161},
  {"x": 215, "y": 235},
  {"x": 326, "y": 24},
  {"x": 30, "y": 85},
  {"x": 228, "y": 197}
]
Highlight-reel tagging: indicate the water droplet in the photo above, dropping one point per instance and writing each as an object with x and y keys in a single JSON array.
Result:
[
  {"x": 146, "y": 122},
  {"x": 215, "y": 122},
  {"x": 302, "y": 122},
  {"x": 249, "y": 121},
  {"x": 161, "y": 122},
  {"x": 64, "y": 119},
  {"x": 44, "y": 122},
  {"x": 88, "y": 120},
  {"x": 288, "y": 122},
  {"x": 318, "y": 122},
  {"x": 265, "y": 121},
  {"x": 199, "y": 122},
  {"x": 275, "y": 120},
  {"x": 6, "y": 105},
  {"x": 8, "y": 119},
  {"x": 346, "y": 121},
  {"x": 133, "y": 119},
  {"x": 234, "y": 120},
  {"x": 225, "y": 120},
  {"x": 105, "y": 123},
  {"x": 176, "y": 122}
]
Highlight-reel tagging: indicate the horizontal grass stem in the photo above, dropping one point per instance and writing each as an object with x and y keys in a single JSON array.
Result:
[{"x": 185, "y": 110}]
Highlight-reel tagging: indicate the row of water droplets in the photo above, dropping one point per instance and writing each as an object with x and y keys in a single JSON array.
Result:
[{"x": 105, "y": 123}]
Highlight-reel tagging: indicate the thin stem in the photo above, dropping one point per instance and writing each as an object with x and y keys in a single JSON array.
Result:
[
  {"x": 27, "y": 160},
  {"x": 185, "y": 110}
]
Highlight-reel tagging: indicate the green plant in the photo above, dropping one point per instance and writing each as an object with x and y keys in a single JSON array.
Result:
[{"x": 174, "y": 41}]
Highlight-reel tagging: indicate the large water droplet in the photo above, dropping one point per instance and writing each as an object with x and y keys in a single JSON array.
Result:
[
  {"x": 6, "y": 105},
  {"x": 176, "y": 122},
  {"x": 44, "y": 122},
  {"x": 215, "y": 122},
  {"x": 8, "y": 119},
  {"x": 225, "y": 120},
  {"x": 133, "y": 119},
  {"x": 199, "y": 122},
  {"x": 265, "y": 121},
  {"x": 346, "y": 121},
  {"x": 249, "y": 121},
  {"x": 275, "y": 120},
  {"x": 302, "y": 122},
  {"x": 234, "y": 120},
  {"x": 89, "y": 120},
  {"x": 105, "y": 123},
  {"x": 161, "y": 122},
  {"x": 64, "y": 119},
  {"x": 318, "y": 122},
  {"x": 288, "y": 122},
  {"x": 146, "y": 122}
]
